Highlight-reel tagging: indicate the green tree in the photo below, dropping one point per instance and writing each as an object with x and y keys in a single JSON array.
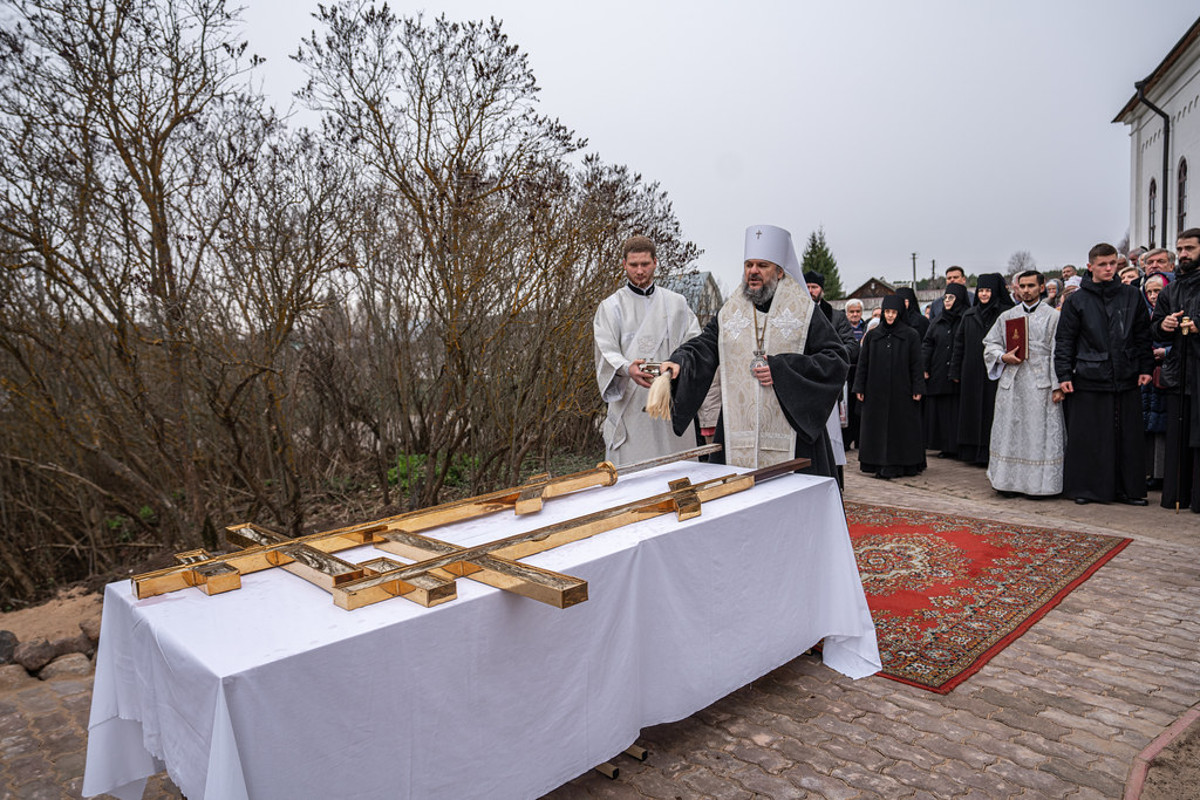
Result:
[{"x": 817, "y": 258}]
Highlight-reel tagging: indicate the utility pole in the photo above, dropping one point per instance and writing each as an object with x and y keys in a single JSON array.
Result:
[
  {"x": 932, "y": 268},
  {"x": 914, "y": 256}
]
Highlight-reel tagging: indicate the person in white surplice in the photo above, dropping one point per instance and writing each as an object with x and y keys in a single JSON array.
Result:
[
  {"x": 1027, "y": 428},
  {"x": 639, "y": 322}
]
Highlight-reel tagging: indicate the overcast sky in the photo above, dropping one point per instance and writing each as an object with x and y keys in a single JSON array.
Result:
[{"x": 962, "y": 131}]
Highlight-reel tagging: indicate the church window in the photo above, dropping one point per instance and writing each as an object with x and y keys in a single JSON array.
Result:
[
  {"x": 1153, "y": 203},
  {"x": 1181, "y": 196}
]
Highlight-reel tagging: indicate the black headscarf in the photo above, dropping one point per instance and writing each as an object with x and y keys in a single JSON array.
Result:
[
  {"x": 998, "y": 303},
  {"x": 896, "y": 303},
  {"x": 914, "y": 305},
  {"x": 960, "y": 302}
]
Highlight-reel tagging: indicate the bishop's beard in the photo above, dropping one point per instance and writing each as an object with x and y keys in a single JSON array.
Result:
[{"x": 761, "y": 295}]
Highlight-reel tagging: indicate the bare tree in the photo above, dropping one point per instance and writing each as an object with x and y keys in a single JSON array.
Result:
[
  {"x": 136, "y": 325},
  {"x": 1020, "y": 261},
  {"x": 207, "y": 317},
  {"x": 481, "y": 275}
]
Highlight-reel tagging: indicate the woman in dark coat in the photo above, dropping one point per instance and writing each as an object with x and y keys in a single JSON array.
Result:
[
  {"x": 976, "y": 393},
  {"x": 1154, "y": 399},
  {"x": 889, "y": 383},
  {"x": 941, "y": 393}
]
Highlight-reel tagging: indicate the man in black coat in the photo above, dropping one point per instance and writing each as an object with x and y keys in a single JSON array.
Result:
[
  {"x": 1180, "y": 301},
  {"x": 1102, "y": 355}
]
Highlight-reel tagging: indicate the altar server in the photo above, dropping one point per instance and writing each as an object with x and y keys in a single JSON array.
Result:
[{"x": 639, "y": 322}]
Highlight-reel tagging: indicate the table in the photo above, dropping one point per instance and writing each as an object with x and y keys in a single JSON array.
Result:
[{"x": 272, "y": 691}]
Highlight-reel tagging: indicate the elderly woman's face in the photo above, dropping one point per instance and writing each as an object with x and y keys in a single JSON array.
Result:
[
  {"x": 948, "y": 301},
  {"x": 1051, "y": 290},
  {"x": 1153, "y": 288}
]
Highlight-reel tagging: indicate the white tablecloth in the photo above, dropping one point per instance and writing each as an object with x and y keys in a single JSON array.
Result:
[{"x": 271, "y": 691}]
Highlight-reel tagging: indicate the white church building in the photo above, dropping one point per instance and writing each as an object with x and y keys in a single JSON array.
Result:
[{"x": 1164, "y": 133}]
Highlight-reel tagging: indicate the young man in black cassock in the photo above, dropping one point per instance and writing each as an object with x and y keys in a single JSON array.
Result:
[
  {"x": 977, "y": 394},
  {"x": 1180, "y": 299},
  {"x": 1102, "y": 355},
  {"x": 889, "y": 382}
]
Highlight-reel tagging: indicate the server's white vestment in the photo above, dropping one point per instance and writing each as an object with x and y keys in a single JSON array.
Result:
[
  {"x": 629, "y": 326},
  {"x": 1026, "y": 453}
]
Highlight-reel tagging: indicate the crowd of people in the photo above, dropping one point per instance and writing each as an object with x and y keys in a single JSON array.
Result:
[{"x": 1084, "y": 387}]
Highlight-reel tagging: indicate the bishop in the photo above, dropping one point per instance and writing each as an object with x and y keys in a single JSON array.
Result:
[{"x": 784, "y": 366}]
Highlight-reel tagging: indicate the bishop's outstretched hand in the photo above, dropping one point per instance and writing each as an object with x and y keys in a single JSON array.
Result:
[{"x": 670, "y": 366}]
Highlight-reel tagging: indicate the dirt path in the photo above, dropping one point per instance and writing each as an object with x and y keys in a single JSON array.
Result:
[{"x": 56, "y": 619}]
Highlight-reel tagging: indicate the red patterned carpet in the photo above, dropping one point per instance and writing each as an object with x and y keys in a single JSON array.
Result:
[{"x": 948, "y": 593}]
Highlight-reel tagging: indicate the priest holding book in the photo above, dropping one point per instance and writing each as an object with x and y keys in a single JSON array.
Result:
[{"x": 1027, "y": 427}]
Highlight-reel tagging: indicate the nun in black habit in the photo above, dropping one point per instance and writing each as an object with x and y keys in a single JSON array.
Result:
[
  {"x": 889, "y": 382},
  {"x": 941, "y": 393},
  {"x": 976, "y": 393},
  {"x": 912, "y": 311}
]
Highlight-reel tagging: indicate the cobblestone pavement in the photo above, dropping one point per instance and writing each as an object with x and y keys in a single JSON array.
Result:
[{"x": 1061, "y": 713}]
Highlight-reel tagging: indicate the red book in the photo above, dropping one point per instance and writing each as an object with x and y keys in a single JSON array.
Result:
[{"x": 1016, "y": 334}]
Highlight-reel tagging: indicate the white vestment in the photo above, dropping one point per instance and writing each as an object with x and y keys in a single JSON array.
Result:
[
  {"x": 833, "y": 426},
  {"x": 628, "y": 326},
  {"x": 1026, "y": 453},
  {"x": 757, "y": 433}
]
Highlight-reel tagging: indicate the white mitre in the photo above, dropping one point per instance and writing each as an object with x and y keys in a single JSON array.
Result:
[{"x": 774, "y": 244}]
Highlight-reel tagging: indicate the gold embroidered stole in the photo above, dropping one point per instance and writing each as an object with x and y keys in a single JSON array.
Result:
[{"x": 757, "y": 433}]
